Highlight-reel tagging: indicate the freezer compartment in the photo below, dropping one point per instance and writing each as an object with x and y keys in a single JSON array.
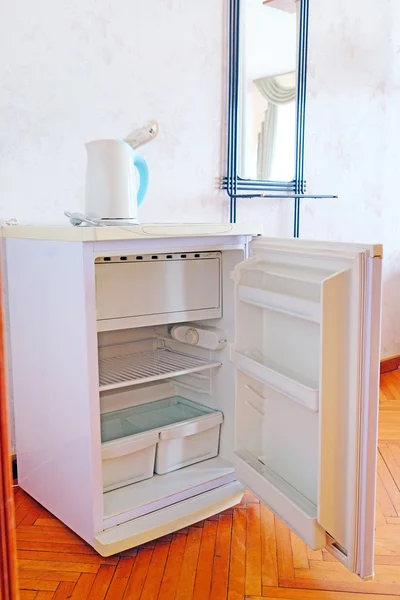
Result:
[
  {"x": 128, "y": 460},
  {"x": 185, "y": 433},
  {"x": 135, "y": 291}
]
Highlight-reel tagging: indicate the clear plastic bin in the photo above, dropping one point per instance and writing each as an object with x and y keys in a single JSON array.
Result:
[{"x": 185, "y": 432}]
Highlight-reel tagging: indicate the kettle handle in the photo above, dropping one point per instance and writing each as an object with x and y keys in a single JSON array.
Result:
[{"x": 141, "y": 165}]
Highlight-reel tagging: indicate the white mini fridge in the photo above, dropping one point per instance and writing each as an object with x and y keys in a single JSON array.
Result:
[{"x": 158, "y": 371}]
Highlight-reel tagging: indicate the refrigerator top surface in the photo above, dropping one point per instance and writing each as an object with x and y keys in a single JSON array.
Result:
[{"x": 148, "y": 231}]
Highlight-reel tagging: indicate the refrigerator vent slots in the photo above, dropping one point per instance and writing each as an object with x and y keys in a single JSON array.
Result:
[{"x": 136, "y": 368}]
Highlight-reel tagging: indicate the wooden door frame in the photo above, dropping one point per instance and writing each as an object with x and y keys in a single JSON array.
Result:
[{"x": 8, "y": 551}]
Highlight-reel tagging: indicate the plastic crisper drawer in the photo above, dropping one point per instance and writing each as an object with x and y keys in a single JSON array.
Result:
[
  {"x": 129, "y": 459},
  {"x": 168, "y": 415},
  {"x": 187, "y": 432}
]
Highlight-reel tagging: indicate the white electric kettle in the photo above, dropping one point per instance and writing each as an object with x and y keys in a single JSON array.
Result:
[{"x": 112, "y": 194}]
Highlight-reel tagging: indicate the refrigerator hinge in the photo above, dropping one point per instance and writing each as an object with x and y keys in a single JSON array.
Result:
[{"x": 335, "y": 546}]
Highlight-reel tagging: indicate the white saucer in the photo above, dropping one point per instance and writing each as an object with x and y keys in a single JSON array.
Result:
[
  {"x": 117, "y": 222},
  {"x": 77, "y": 219}
]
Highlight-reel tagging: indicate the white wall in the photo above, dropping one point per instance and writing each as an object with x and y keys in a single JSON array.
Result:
[
  {"x": 76, "y": 70},
  {"x": 353, "y": 131}
]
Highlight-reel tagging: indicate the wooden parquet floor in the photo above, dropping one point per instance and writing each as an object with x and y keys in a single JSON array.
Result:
[{"x": 243, "y": 553}]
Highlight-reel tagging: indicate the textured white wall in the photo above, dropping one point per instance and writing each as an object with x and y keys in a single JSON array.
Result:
[
  {"x": 353, "y": 131},
  {"x": 76, "y": 70}
]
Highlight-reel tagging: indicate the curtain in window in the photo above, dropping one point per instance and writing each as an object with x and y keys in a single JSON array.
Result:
[{"x": 276, "y": 94}]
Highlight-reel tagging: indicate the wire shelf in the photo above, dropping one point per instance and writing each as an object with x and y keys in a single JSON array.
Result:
[{"x": 132, "y": 369}]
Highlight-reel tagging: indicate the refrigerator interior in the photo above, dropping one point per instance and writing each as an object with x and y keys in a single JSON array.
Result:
[
  {"x": 141, "y": 366},
  {"x": 268, "y": 374}
]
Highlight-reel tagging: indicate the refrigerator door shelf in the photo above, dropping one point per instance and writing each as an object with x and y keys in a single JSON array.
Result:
[{"x": 307, "y": 360}]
